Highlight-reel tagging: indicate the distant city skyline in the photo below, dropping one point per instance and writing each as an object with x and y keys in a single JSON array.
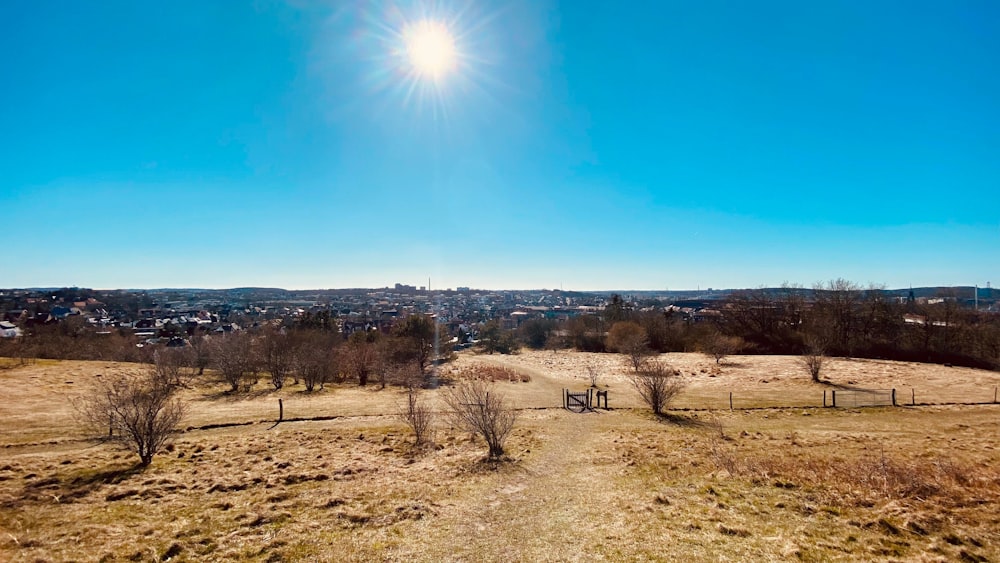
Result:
[{"x": 515, "y": 145}]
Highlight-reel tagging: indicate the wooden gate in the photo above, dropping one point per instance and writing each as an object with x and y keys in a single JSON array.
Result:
[{"x": 578, "y": 402}]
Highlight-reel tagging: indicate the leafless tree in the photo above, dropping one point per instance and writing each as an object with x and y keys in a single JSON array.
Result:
[
  {"x": 593, "y": 374},
  {"x": 478, "y": 408},
  {"x": 629, "y": 338},
  {"x": 235, "y": 360},
  {"x": 169, "y": 366},
  {"x": 658, "y": 384},
  {"x": 278, "y": 355},
  {"x": 389, "y": 360},
  {"x": 719, "y": 346},
  {"x": 137, "y": 411},
  {"x": 359, "y": 357},
  {"x": 418, "y": 415},
  {"x": 200, "y": 353},
  {"x": 835, "y": 314},
  {"x": 316, "y": 361}
]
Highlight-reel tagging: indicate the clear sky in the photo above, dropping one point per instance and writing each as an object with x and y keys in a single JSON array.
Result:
[{"x": 593, "y": 145}]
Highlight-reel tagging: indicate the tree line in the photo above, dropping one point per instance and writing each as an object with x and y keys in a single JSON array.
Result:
[
  {"x": 838, "y": 318},
  {"x": 309, "y": 354}
]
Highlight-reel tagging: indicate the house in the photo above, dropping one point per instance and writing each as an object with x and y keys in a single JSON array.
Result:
[
  {"x": 60, "y": 312},
  {"x": 9, "y": 330}
]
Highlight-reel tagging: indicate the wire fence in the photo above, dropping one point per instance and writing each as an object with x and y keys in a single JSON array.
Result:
[
  {"x": 838, "y": 397},
  {"x": 856, "y": 398}
]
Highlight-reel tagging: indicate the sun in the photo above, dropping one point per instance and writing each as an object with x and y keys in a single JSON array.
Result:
[{"x": 430, "y": 48}]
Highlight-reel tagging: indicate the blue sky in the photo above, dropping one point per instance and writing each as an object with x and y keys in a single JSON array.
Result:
[{"x": 593, "y": 145}]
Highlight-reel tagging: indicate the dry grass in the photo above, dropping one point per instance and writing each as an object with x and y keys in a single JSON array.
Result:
[
  {"x": 811, "y": 484},
  {"x": 494, "y": 373}
]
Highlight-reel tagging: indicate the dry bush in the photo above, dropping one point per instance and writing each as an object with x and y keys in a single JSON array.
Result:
[
  {"x": 593, "y": 375},
  {"x": 19, "y": 350},
  {"x": 478, "y": 408},
  {"x": 813, "y": 364},
  {"x": 658, "y": 384},
  {"x": 418, "y": 415},
  {"x": 495, "y": 373},
  {"x": 813, "y": 358},
  {"x": 137, "y": 411}
]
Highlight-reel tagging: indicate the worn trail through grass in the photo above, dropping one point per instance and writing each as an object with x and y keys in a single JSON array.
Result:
[{"x": 557, "y": 493}]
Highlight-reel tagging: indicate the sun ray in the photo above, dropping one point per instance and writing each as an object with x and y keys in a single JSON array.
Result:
[{"x": 428, "y": 56}]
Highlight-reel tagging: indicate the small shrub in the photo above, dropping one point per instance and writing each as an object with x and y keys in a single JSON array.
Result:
[
  {"x": 480, "y": 409},
  {"x": 418, "y": 415},
  {"x": 658, "y": 384}
]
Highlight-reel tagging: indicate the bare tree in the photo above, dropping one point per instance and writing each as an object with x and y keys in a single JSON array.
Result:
[
  {"x": 593, "y": 374},
  {"x": 169, "y": 366},
  {"x": 316, "y": 360},
  {"x": 658, "y": 384},
  {"x": 418, "y": 415},
  {"x": 359, "y": 356},
  {"x": 200, "y": 353},
  {"x": 478, "y": 408},
  {"x": 235, "y": 360},
  {"x": 278, "y": 355},
  {"x": 629, "y": 338},
  {"x": 137, "y": 411},
  {"x": 719, "y": 346}
]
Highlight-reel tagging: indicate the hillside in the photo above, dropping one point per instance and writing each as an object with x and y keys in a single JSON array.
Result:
[{"x": 913, "y": 483}]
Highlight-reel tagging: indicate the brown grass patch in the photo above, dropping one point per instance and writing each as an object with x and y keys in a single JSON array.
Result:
[{"x": 494, "y": 373}]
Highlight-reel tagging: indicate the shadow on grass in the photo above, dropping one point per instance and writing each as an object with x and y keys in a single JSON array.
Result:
[
  {"x": 835, "y": 386},
  {"x": 63, "y": 489},
  {"x": 233, "y": 396},
  {"x": 108, "y": 476},
  {"x": 683, "y": 421},
  {"x": 504, "y": 463}
]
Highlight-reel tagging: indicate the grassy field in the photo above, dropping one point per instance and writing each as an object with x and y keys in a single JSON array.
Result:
[{"x": 343, "y": 482}]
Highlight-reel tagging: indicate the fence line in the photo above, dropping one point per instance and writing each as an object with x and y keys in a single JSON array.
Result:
[{"x": 841, "y": 397}]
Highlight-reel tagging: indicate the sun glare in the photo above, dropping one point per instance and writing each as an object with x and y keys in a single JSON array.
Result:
[{"x": 430, "y": 48}]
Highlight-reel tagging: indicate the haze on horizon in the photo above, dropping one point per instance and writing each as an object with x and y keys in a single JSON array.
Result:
[{"x": 508, "y": 144}]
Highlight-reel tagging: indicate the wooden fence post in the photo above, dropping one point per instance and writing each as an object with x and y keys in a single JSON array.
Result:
[
  {"x": 994, "y": 394},
  {"x": 730, "y": 400},
  {"x": 824, "y": 397},
  {"x": 281, "y": 410},
  {"x": 833, "y": 398},
  {"x": 894, "y": 397},
  {"x": 913, "y": 396}
]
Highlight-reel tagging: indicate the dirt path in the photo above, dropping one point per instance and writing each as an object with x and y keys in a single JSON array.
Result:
[{"x": 548, "y": 507}]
